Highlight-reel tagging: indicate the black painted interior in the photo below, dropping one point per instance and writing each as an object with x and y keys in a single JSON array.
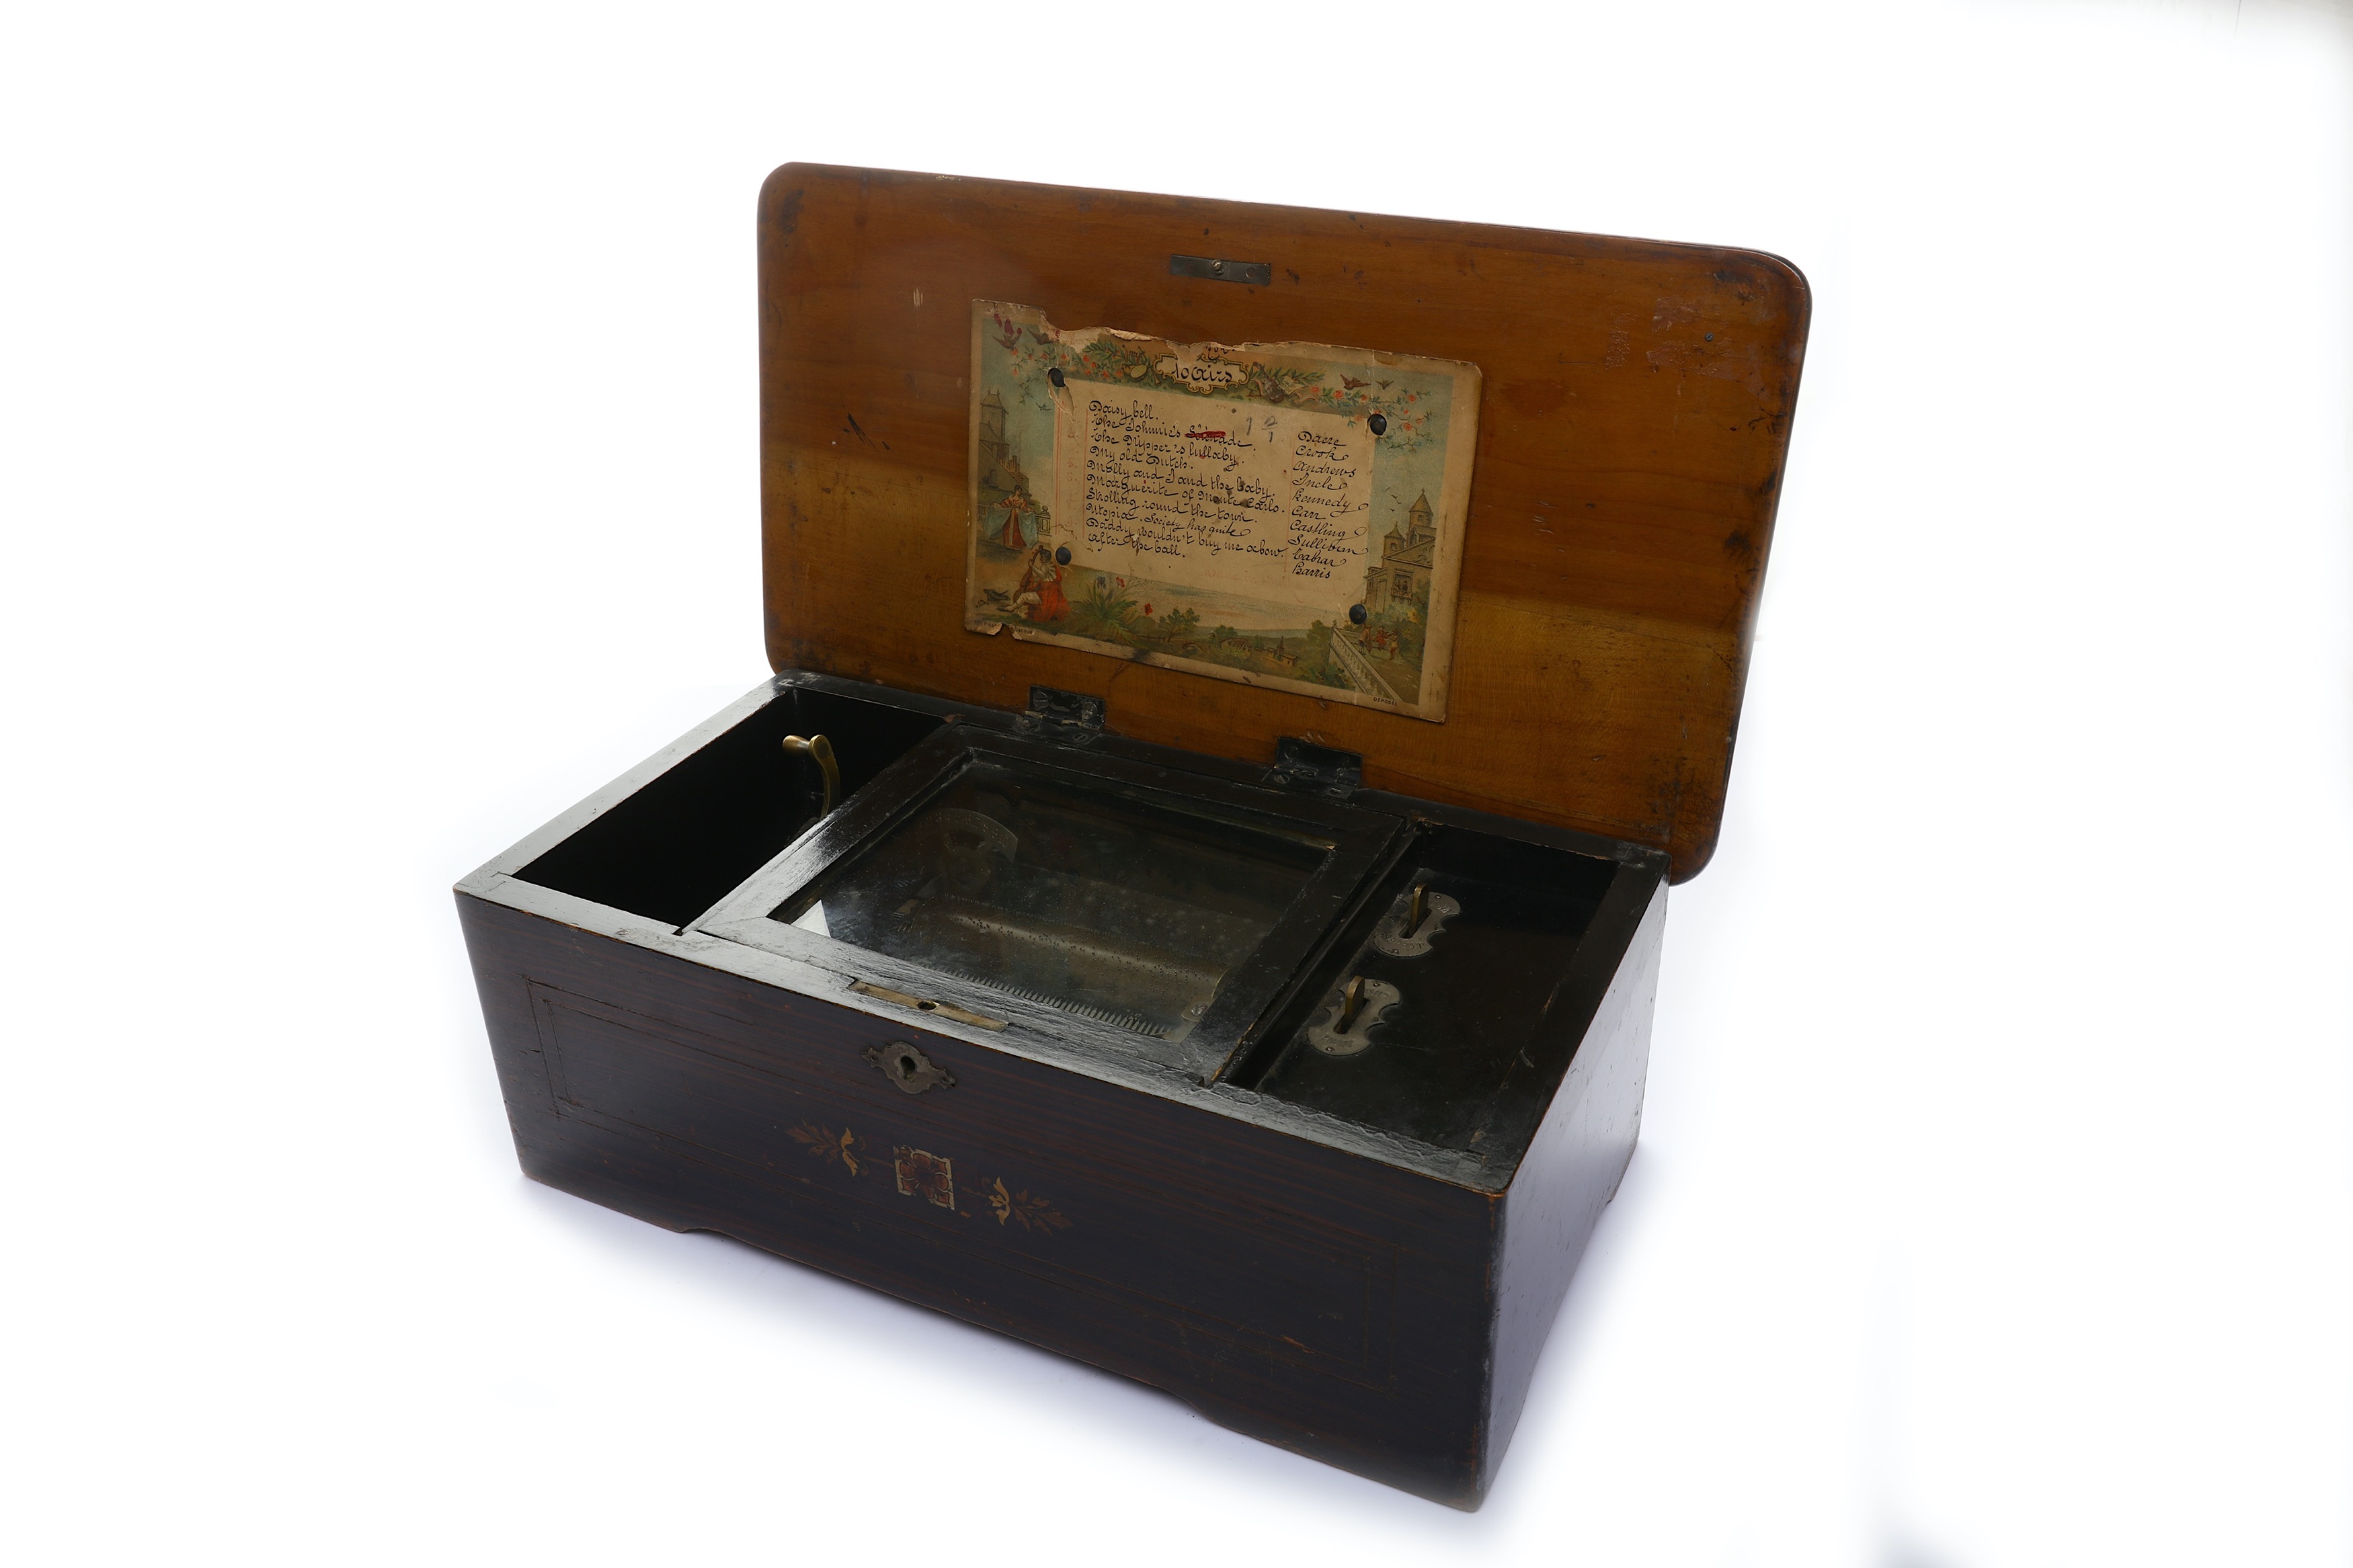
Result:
[
  {"x": 1466, "y": 1057},
  {"x": 1466, "y": 1060},
  {"x": 691, "y": 836}
]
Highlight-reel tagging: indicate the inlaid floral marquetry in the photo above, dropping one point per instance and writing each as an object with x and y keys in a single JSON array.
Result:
[
  {"x": 826, "y": 1145},
  {"x": 1031, "y": 1214},
  {"x": 920, "y": 1173},
  {"x": 927, "y": 1175}
]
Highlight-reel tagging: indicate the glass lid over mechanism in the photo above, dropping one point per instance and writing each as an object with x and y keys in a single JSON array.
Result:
[
  {"x": 1119, "y": 910},
  {"x": 1138, "y": 905}
]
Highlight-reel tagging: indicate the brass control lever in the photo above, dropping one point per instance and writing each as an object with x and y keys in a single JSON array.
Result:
[
  {"x": 818, "y": 747},
  {"x": 1347, "y": 1029},
  {"x": 1352, "y": 1002}
]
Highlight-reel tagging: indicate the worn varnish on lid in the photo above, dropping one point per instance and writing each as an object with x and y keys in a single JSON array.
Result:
[{"x": 1633, "y": 429}]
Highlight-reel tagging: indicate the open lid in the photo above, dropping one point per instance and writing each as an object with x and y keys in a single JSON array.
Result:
[{"x": 1633, "y": 406}]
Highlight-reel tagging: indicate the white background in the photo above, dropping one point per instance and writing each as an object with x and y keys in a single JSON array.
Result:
[{"x": 380, "y": 476}]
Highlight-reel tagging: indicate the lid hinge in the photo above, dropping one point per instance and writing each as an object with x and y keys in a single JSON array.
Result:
[
  {"x": 1069, "y": 717},
  {"x": 1304, "y": 765}
]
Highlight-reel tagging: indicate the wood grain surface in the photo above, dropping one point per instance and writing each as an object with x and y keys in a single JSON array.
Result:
[
  {"x": 1631, "y": 443},
  {"x": 1329, "y": 1303},
  {"x": 1346, "y": 1308}
]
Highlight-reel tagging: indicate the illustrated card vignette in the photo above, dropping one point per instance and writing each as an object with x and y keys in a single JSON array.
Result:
[{"x": 1396, "y": 657}]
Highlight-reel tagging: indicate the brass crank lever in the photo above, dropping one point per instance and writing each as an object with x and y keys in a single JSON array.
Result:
[
  {"x": 821, "y": 749},
  {"x": 1352, "y": 1002}
]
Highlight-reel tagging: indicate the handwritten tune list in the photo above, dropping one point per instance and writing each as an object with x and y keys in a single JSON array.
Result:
[{"x": 1270, "y": 503}]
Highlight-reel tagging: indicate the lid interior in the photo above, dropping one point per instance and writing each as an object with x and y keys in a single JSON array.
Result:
[{"x": 1632, "y": 430}]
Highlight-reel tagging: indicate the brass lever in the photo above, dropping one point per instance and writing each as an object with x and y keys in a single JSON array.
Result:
[
  {"x": 818, "y": 747},
  {"x": 1417, "y": 911},
  {"x": 1352, "y": 1002}
]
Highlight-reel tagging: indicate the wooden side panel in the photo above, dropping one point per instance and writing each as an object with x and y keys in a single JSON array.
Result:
[
  {"x": 1570, "y": 1173},
  {"x": 1632, "y": 436},
  {"x": 1310, "y": 1297}
]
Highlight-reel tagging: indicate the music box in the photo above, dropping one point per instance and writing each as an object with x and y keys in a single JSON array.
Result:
[{"x": 1191, "y": 895}]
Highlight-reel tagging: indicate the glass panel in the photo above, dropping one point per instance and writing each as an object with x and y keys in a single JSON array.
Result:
[{"x": 1125, "y": 906}]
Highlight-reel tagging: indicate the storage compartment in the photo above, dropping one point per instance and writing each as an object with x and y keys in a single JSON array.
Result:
[{"x": 676, "y": 845}]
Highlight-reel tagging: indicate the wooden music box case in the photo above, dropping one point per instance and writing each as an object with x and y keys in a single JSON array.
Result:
[{"x": 1191, "y": 895}]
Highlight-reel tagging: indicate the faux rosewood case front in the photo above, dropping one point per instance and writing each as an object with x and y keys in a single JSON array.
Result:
[{"x": 1269, "y": 1283}]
